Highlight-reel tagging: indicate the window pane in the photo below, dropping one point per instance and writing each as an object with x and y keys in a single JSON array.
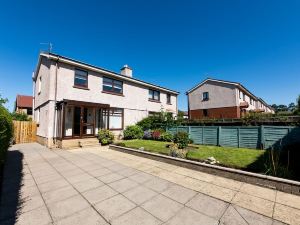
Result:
[
  {"x": 118, "y": 87},
  {"x": 115, "y": 118},
  {"x": 156, "y": 95},
  {"x": 107, "y": 87},
  {"x": 80, "y": 81},
  {"x": 150, "y": 94},
  {"x": 80, "y": 78},
  {"x": 107, "y": 80}
]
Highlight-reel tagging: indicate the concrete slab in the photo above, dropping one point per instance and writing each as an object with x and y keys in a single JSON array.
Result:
[
  {"x": 201, "y": 202},
  {"x": 190, "y": 217},
  {"x": 114, "y": 207},
  {"x": 179, "y": 193},
  {"x": 162, "y": 207},
  {"x": 99, "y": 194},
  {"x": 137, "y": 216},
  {"x": 139, "y": 194}
]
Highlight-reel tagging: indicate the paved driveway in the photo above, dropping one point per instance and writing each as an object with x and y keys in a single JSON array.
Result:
[{"x": 101, "y": 186}]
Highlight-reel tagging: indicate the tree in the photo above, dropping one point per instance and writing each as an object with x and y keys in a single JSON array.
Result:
[
  {"x": 3, "y": 100},
  {"x": 292, "y": 107},
  {"x": 298, "y": 103}
]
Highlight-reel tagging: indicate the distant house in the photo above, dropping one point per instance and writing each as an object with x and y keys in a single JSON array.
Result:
[
  {"x": 223, "y": 99},
  {"x": 74, "y": 99},
  {"x": 24, "y": 104}
]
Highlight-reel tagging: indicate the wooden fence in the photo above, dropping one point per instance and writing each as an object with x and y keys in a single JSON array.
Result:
[
  {"x": 24, "y": 131},
  {"x": 242, "y": 136}
]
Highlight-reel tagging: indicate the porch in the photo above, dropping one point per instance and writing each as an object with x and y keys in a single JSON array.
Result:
[{"x": 78, "y": 120}]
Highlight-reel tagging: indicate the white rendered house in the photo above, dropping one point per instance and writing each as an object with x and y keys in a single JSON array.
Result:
[{"x": 73, "y": 100}]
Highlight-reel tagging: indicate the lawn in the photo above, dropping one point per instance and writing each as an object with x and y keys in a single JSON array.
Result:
[{"x": 241, "y": 158}]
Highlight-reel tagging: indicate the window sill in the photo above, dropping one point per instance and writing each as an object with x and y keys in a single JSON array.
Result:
[
  {"x": 169, "y": 103},
  {"x": 116, "y": 129},
  {"x": 80, "y": 87},
  {"x": 113, "y": 93},
  {"x": 205, "y": 100},
  {"x": 151, "y": 100}
]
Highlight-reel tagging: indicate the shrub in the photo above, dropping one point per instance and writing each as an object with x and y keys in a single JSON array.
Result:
[
  {"x": 20, "y": 116},
  {"x": 166, "y": 136},
  {"x": 147, "y": 135},
  {"x": 156, "y": 134},
  {"x": 182, "y": 139},
  {"x": 6, "y": 133},
  {"x": 133, "y": 132},
  {"x": 105, "y": 136}
]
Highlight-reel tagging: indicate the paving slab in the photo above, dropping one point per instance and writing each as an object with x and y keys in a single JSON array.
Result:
[
  {"x": 162, "y": 207},
  {"x": 137, "y": 216},
  {"x": 139, "y": 194},
  {"x": 179, "y": 193},
  {"x": 99, "y": 194},
  {"x": 207, "y": 205},
  {"x": 114, "y": 207},
  {"x": 190, "y": 217}
]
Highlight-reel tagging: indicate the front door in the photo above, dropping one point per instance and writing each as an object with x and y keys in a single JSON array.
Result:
[{"x": 83, "y": 121}]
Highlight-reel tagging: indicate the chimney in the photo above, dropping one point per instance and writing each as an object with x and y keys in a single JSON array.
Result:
[{"x": 126, "y": 71}]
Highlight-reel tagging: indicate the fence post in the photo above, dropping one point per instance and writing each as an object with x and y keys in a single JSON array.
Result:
[
  {"x": 262, "y": 137},
  {"x": 238, "y": 133},
  {"x": 203, "y": 135},
  {"x": 219, "y": 136}
]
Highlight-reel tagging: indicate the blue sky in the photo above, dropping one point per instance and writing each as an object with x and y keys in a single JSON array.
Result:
[{"x": 175, "y": 44}]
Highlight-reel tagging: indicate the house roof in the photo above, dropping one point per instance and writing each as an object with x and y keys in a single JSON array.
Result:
[
  {"x": 87, "y": 66},
  {"x": 236, "y": 84},
  {"x": 24, "y": 101}
]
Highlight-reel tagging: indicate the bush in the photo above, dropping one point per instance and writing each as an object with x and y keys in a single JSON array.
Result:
[
  {"x": 133, "y": 132},
  {"x": 156, "y": 134},
  {"x": 166, "y": 136},
  {"x": 20, "y": 116},
  {"x": 105, "y": 136},
  {"x": 6, "y": 133},
  {"x": 147, "y": 135},
  {"x": 182, "y": 139}
]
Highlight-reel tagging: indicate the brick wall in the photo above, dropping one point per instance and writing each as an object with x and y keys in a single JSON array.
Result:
[{"x": 225, "y": 112}]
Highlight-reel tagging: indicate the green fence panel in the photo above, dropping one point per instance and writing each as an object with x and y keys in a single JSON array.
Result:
[
  {"x": 196, "y": 134},
  {"x": 243, "y": 137},
  {"x": 210, "y": 135},
  {"x": 229, "y": 137},
  {"x": 249, "y": 137}
]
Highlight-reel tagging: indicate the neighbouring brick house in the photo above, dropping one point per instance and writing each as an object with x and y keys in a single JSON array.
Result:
[
  {"x": 73, "y": 100},
  {"x": 223, "y": 99},
  {"x": 24, "y": 104}
]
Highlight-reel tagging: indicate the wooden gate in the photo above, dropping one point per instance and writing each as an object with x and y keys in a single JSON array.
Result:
[{"x": 24, "y": 131}]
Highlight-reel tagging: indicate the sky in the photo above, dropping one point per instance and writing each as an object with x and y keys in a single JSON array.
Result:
[{"x": 175, "y": 44}]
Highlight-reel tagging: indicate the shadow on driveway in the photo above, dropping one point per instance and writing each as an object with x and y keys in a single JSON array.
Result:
[{"x": 10, "y": 201}]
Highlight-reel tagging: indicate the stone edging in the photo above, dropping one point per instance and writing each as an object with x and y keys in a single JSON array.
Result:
[{"x": 285, "y": 185}]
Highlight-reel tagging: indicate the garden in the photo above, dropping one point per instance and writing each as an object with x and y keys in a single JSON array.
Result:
[{"x": 150, "y": 135}]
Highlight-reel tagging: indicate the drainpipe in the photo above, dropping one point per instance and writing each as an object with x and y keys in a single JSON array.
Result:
[{"x": 55, "y": 100}]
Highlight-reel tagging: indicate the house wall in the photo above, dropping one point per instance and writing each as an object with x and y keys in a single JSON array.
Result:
[
  {"x": 224, "y": 112},
  {"x": 134, "y": 100},
  {"x": 220, "y": 95}
]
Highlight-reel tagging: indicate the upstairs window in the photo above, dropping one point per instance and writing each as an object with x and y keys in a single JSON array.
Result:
[
  {"x": 244, "y": 97},
  {"x": 111, "y": 85},
  {"x": 81, "y": 78},
  {"x": 40, "y": 85},
  {"x": 241, "y": 95},
  {"x": 168, "y": 99},
  {"x": 154, "y": 95},
  {"x": 205, "y": 96}
]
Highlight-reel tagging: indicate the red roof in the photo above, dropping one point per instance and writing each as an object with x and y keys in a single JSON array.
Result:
[{"x": 24, "y": 101}]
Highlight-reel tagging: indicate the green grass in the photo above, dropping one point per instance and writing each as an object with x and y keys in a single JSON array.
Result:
[{"x": 242, "y": 158}]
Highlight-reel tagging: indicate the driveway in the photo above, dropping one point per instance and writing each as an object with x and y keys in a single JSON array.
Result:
[{"x": 101, "y": 186}]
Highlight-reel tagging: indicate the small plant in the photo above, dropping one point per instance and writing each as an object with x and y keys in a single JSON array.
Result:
[
  {"x": 147, "y": 135},
  {"x": 105, "y": 136},
  {"x": 133, "y": 132},
  {"x": 156, "y": 134},
  {"x": 182, "y": 139},
  {"x": 166, "y": 136},
  {"x": 20, "y": 116}
]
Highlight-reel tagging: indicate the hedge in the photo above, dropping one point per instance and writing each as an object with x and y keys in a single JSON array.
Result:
[{"x": 6, "y": 133}]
